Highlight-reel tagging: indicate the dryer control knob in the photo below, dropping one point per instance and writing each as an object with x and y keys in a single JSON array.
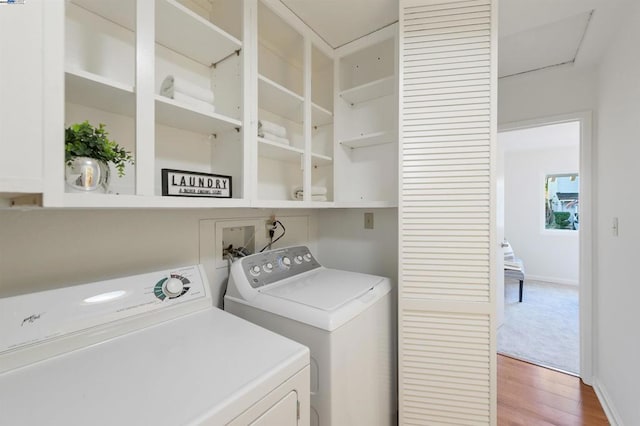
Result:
[
  {"x": 268, "y": 267},
  {"x": 298, "y": 259},
  {"x": 307, "y": 257},
  {"x": 285, "y": 262},
  {"x": 255, "y": 270},
  {"x": 173, "y": 287}
]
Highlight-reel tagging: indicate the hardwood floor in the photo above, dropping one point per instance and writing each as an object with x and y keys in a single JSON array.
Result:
[{"x": 530, "y": 395}]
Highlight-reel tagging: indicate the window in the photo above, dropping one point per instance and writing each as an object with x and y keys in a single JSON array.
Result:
[{"x": 562, "y": 201}]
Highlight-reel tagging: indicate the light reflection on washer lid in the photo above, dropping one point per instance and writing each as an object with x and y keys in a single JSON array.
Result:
[{"x": 105, "y": 297}]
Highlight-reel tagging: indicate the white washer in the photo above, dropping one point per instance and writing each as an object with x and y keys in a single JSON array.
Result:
[
  {"x": 345, "y": 318},
  {"x": 149, "y": 349}
]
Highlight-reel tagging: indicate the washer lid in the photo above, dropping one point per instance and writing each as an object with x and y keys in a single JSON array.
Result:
[{"x": 325, "y": 289}]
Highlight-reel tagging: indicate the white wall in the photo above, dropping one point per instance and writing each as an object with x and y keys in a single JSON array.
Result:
[
  {"x": 45, "y": 249},
  {"x": 554, "y": 91},
  {"x": 530, "y": 155},
  {"x": 618, "y": 175},
  {"x": 343, "y": 243}
]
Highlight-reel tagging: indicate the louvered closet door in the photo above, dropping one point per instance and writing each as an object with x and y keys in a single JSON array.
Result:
[{"x": 447, "y": 361}]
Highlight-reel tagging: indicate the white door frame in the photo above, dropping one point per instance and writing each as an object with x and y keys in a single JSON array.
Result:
[{"x": 587, "y": 219}]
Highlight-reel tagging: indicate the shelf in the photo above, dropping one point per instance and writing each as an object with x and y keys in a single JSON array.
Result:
[
  {"x": 279, "y": 204},
  {"x": 321, "y": 160},
  {"x": 365, "y": 204},
  {"x": 121, "y": 12},
  {"x": 370, "y": 139},
  {"x": 186, "y": 32},
  {"x": 177, "y": 28},
  {"x": 137, "y": 201},
  {"x": 278, "y": 151},
  {"x": 279, "y": 100},
  {"x": 95, "y": 91},
  {"x": 320, "y": 116},
  {"x": 373, "y": 90},
  {"x": 187, "y": 117}
]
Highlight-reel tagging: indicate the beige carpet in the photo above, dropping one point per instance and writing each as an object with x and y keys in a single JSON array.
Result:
[{"x": 544, "y": 328}]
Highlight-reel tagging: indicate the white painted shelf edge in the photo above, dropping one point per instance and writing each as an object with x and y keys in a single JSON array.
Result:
[
  {"x": 365, "y": 204},
  {"x": 86, "y": 88},
  {"x": 192, "y": 31},
  {"x": 135, "y": 201},
  {"x": 320, "y": 116},
  {"x": 172, "y": 18},
  {"x": 368, "y": 91},
  {"x": 279, "y": 100},
  {"x": 320, "y": 159},
  {"x": 185, "y": 116},
  {"x": 280, "y": 87},
  {"x": 278, "y": 151},
  {"x": 287, "y": 204},
  {"x": 366, "y": 140}
]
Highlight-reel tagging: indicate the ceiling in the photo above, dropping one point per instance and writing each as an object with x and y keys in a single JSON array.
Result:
[{"x": 533, "y": 34}]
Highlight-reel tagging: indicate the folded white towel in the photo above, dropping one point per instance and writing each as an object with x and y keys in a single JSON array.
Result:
[
  {"x": 274, "y": 138},
  {"x": 300, "y": 196},
  {"x": 315, "y": 190},
  {"x": 172, "y": 85},
  {"x": 272, "y": 128},
  {"x": 197, "y": 103}
]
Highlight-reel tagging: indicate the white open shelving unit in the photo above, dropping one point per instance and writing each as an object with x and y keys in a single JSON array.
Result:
[
  {"x": 85, "y": 88},
  {"x": 366, "y": 134},
  {"x": 366, "y": 140},
  {"x": 183, "y": 116},
  {"x": 368, "y": 91},
  {"x": 261, "y": 62},
  {"x": 279, "y": 100}
]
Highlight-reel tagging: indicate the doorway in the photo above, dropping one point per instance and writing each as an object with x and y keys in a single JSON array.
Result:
[{"x": 545, "y": 175}]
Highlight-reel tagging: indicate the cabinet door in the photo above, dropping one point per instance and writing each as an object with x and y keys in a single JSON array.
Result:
[
  {"x": 284, "y": 413},
  {"x": 21, "y": 96},
  {"x": 446, "y": 288}
]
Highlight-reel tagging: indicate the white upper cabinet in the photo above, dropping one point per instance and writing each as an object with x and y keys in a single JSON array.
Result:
[
  {"x": 238, "y": 88},
  {"x": 366, "y": 111},
  {"x": 295, "y": 112},
  {"x": 29, "y": 81},
  {"x": 168, "y": 87}
]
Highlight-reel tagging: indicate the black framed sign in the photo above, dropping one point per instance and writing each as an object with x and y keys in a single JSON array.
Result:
[{"x": 183, "y": 183}]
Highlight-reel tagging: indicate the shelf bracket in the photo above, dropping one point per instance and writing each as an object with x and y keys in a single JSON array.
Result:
[{"x": 235, "y": 52}]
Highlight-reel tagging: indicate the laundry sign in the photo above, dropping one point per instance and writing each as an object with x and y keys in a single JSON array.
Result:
[{"x": 182, "y": 183}]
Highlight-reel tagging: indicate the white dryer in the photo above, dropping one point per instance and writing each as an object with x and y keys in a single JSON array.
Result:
[
  {"x": 346, "y": 320},
  {"x": 144, "y": 350}
]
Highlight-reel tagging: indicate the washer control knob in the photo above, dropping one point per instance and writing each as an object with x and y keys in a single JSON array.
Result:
[
  {"x": 268, "y": 267},
  {"x": 255, "y": 270},
  {"x": 307, "y": 257},
  {"x": 285, "y": 262},
  {"x": 173, "y": 287},
  {"x": 298, "y": 259}
]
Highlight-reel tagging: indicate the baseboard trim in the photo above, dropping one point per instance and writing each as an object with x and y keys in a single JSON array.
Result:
[
  {"x": 551, "y": 280},
  {"x": 607, "y": 405}
]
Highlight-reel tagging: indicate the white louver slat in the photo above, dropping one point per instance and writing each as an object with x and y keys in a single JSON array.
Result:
[{"x": 447, "y": 133}]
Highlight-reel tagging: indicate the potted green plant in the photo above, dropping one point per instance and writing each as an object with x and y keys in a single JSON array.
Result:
[{"x": 88, "y": 152}]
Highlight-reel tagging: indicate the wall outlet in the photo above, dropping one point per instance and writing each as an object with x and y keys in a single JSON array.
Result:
[{"x": 368, "y": 221}]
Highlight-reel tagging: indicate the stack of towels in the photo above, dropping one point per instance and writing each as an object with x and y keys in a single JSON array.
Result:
[
  {"x": 272, "y": 132},
  {"x": 186, "y": 92},
  {"x": 318, "y": 193}
]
